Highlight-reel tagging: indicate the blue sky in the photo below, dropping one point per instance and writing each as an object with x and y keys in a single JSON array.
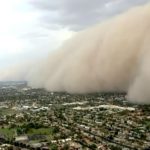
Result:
[{"x": 30, "y": 29}]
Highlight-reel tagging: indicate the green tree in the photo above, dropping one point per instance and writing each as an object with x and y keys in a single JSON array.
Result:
[
  {"x": 54, "y": 147},
  {"x": 66, "y": 147},
  {"x": 92, "y": 147}
]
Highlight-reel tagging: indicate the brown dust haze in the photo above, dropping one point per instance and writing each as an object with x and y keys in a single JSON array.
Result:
[{"x": 111, "y": 56}]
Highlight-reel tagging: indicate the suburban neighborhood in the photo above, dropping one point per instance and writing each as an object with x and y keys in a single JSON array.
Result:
[{"x": 38, "y": 119}]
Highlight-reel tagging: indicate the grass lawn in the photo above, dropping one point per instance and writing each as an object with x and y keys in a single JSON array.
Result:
[
  {"x": 9, "y": 133},
  {"x": 5, "y": 111},
  {"x": 42, "y": 131}
]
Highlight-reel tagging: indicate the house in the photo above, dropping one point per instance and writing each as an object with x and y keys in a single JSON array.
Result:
[{"x": 22, "y": 139}]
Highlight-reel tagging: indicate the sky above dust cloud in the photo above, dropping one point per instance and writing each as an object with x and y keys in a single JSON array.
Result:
[{"x": 30, "y": 29}]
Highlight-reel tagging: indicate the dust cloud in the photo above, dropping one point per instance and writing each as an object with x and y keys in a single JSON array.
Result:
[{"x": 111, "y": 56}]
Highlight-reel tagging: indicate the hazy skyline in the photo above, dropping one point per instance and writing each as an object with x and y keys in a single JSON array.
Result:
[{"x": 32, "y": 28}]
